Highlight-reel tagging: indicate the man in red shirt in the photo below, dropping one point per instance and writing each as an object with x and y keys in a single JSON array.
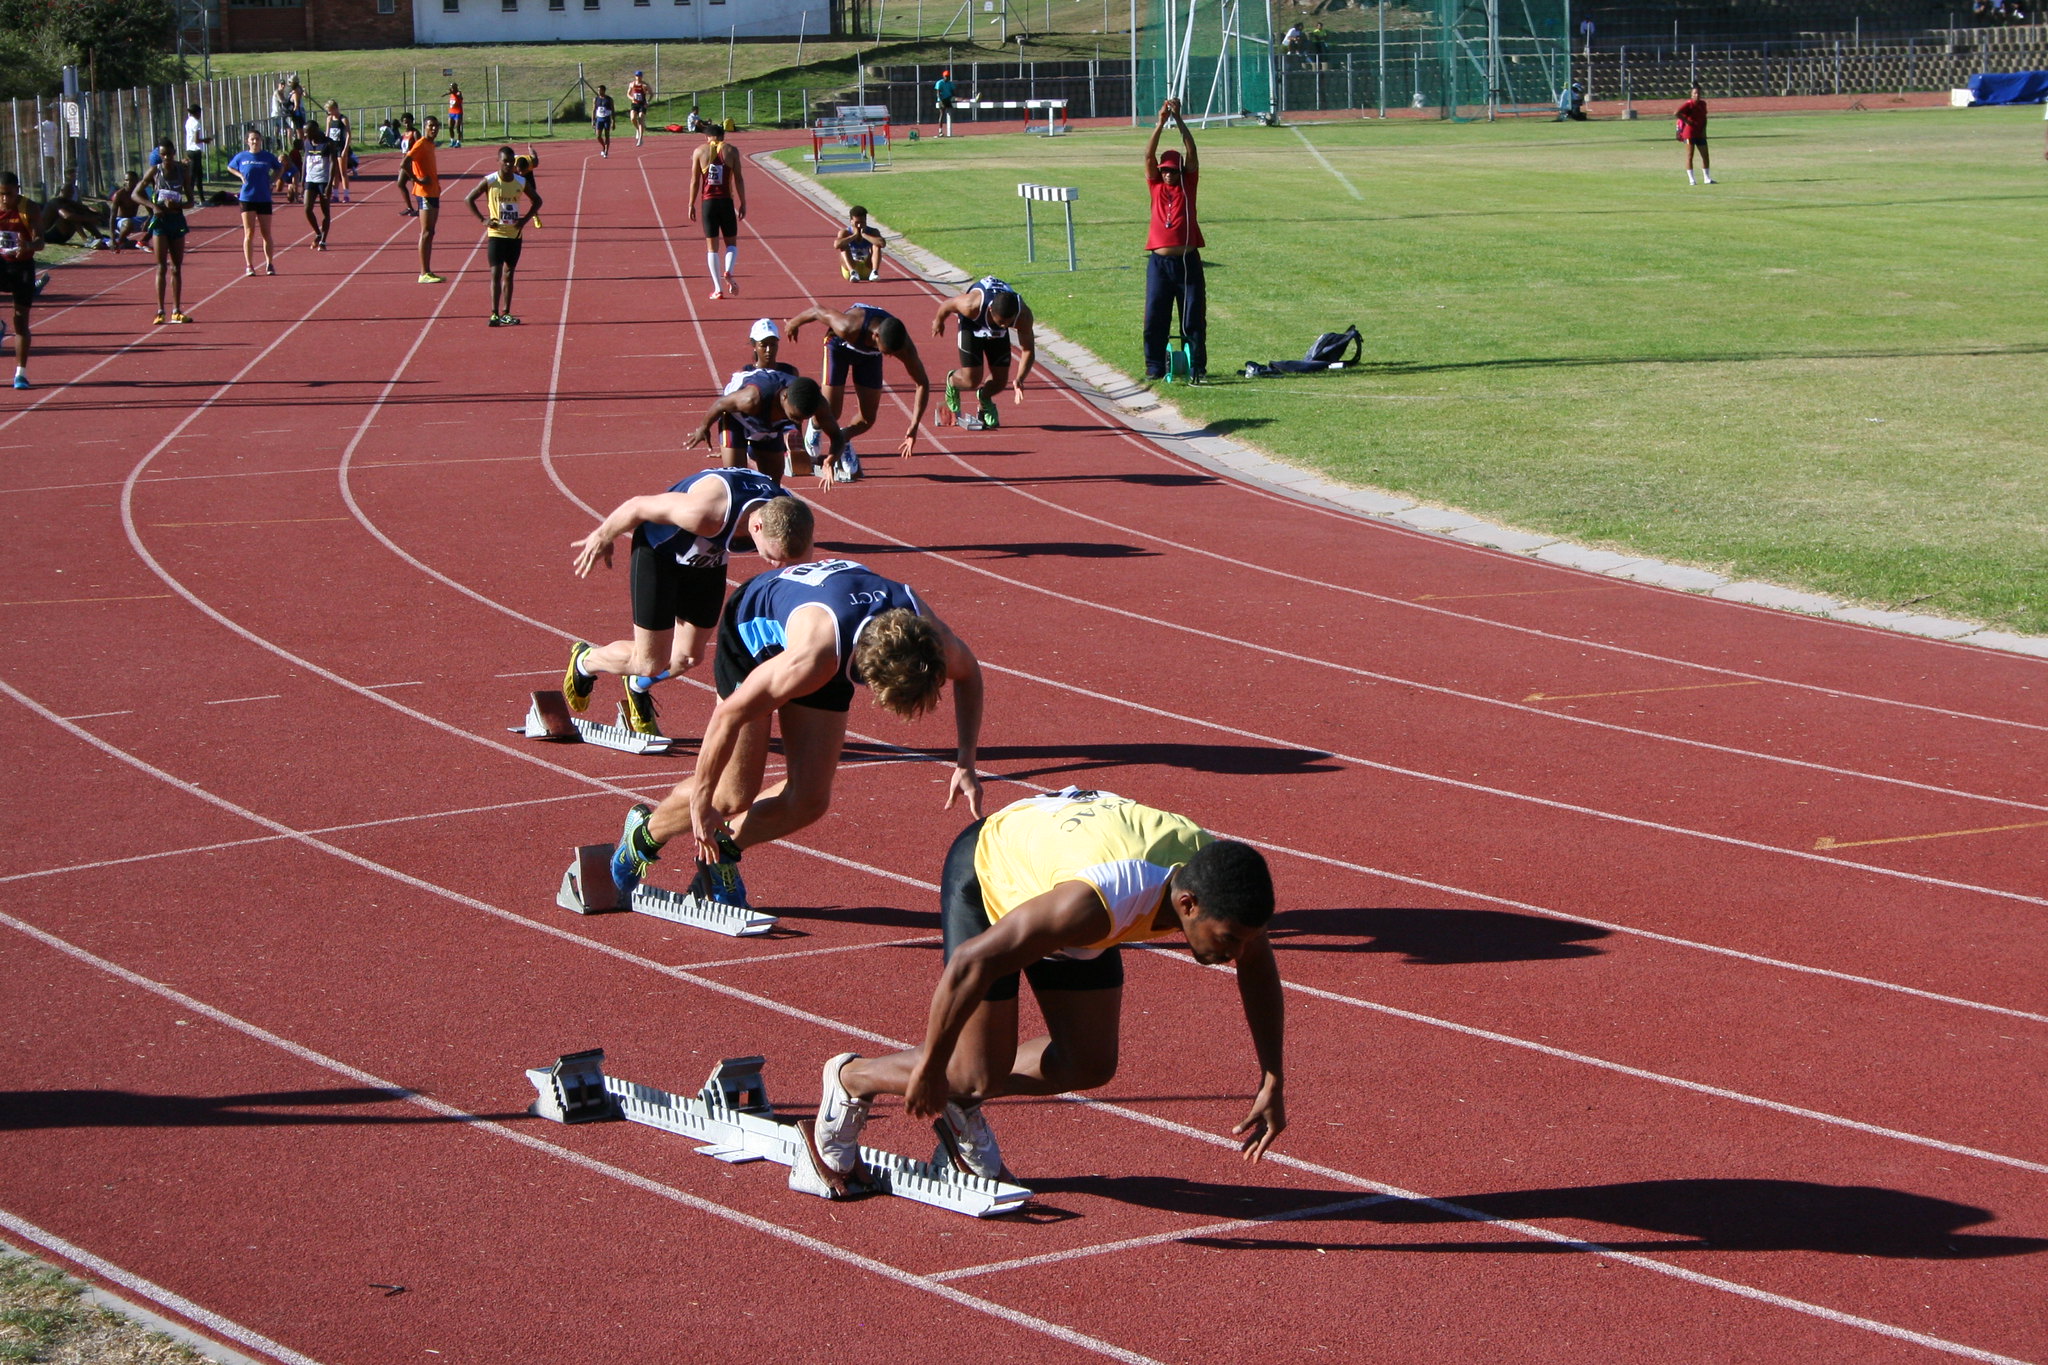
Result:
[
  {"x": 1692, "y": 131},
  {"x": 1173, "y": 267}
]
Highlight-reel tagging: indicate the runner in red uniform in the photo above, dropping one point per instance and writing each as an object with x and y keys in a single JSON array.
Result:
[
  {"x": 715, "y": 180},
  {"x": 18, "y": 242},
  {"x": 1692, "y": 131}
]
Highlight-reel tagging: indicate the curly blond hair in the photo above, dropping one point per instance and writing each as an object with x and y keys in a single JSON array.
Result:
[
  {"x": 903, "y": 662},
  {"x": 787, "y": 522}
]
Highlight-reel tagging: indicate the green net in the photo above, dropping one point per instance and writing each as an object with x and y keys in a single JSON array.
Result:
[{"x": 1214, "y": 55}]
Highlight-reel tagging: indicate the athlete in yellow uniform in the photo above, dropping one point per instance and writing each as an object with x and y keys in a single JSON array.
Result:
[
  {"x": 1050, "y": 887},
  {"x": 503, "y": 192}
]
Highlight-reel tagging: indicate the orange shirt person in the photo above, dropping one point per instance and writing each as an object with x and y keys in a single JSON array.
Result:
[
  {"x": 419, "y": 172},
  {"x": 454, "y": 115}
]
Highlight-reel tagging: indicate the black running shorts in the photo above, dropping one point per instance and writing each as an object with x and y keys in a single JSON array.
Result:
[
  {"x": 18, "y": 281},
  {"x": 841, "y": 359},
  {"x": 721, "y": 219},
  {"x": 665, "y": 592},
  {"x": 259, "y": 207},
  {"x": 962, "y": 915},
  {"x": 991, "y": 351},
  {"x": 503, "y": 250},
  {"x": 731, "y": 664}
]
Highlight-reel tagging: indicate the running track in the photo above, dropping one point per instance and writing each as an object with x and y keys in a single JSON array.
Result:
[{"x": 1636, "y": 1014}]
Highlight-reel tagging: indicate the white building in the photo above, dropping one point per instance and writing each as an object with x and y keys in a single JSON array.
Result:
[{"x": 572, "y": 21}]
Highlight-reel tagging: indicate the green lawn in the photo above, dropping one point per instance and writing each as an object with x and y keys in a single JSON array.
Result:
[{"x": 1823, "y": 371}]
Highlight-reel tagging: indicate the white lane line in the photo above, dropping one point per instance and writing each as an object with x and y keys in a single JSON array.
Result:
[
  {"x": 374, "y": 687},
  {"x": 830, "y": 1250},
  {"x": 1324, "y": 162},
  {"x": 99, "y": 715},
  {"x": 532, "y": 673},
  {"x": 1155, "y": 1239},
  {"x": 155, "y": 1293},
  {"x": 1153, "y": 452},
  {"x": 231, "y": 701},
  {"x": 930, "y": 1283},
  {"x": 795, "y": 1012}
]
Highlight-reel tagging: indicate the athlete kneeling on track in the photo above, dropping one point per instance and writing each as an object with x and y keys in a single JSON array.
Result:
[
  {"x": 1051, "y": 887},
  {"x": 792, "y": 645}
]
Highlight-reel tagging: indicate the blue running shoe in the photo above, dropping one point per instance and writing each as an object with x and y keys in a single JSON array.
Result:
[
  {"x": 629, "y": 864},
  {"x": 720, "y": 881}
]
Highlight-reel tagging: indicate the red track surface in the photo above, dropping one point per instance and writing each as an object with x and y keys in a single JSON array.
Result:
[{"x": 1621, "y": 1031}]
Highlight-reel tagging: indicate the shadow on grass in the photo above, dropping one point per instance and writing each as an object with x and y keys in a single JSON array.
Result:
[{"x": 1436, "y": 937}]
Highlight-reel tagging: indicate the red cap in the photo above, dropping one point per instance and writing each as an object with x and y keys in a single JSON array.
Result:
[{"x": 1169, "y": 157}]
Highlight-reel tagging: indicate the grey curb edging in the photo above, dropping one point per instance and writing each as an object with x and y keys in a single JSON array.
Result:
[
  {"x": 1147, "y": 413},
  {"x": 148, "y": 1318}
]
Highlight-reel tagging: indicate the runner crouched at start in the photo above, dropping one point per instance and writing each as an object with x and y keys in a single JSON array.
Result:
[{"x": 1051, "y": 887}]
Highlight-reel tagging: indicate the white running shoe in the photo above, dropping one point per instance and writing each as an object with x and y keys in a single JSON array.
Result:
[
  {"x": 717, "y": 293},
  {"x": 840, "y": 1119},
  {"x": 1706, "y": 179},
  {"x": 814, "y": 444},
  {"x": 847, "y": 470},
  {"x": 975, "y": 1140}
]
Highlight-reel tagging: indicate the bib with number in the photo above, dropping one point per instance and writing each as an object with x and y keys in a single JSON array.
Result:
[{"x": 10, "y": 244}]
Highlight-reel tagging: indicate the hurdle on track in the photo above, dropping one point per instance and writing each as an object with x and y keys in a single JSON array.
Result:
[
  {"x": 1054, "y": 113},
  {"x": 1064, "y": 196},
  {"x": 856, "y": 138},
  {"x": 732, "y": 1117}
]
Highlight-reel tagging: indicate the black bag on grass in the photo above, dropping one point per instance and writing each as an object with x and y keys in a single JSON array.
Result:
[{"x": 1328, "y": 351}]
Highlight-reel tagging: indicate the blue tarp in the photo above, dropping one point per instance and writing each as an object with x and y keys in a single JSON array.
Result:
[{"x": 2011, "y": 87}]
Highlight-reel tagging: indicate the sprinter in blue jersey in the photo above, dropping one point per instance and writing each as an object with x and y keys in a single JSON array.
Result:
[
  {"x": 759, "y": 415},
  {"x": 792, "y": 645},
  {"x": 987, "y": 311},
  {"x": 681, "y": 541},
  {"x": 855, "y": 342}
]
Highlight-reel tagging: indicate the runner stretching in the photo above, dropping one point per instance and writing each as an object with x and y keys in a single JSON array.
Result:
[
  {"x": 855, "y": 342},
  {"x": 715, "y": 179},
  {"x": 759, "y": 415},
  {"x": 601, "y": 109},
  {"x": 258, "y": 171},
  {"x": 987, "y": 311},
  {"x": 859, "y": 245},
  {"x": 1051, "y": 886},
  {"x": 19, "y": 242},
  {"x": 419, "y": 175},
  {"x": 791, "y": 647},
  {"x": 169, "y": 186},
  {"x": 681, "y": 541},
  {"x": 501, "y": 230},
  {"x": 1692, "y": 131},
  {"x": 319, "y": 157},
  {"x": 637, "y": 95}
]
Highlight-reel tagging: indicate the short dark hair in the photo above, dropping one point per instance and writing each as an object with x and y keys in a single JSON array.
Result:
[
  {"x": 892, "y": 335},
  {"x": 1003, "y": 303},
  {"x": 1231, "y": 881},
  {"x": 803, "y": 397},
  {"x": 857, "y": 211},
  {"x": 192, "y": 109},
  {"x": 9, "y": 180}
]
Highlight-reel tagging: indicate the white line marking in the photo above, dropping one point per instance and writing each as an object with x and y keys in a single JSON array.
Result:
[
  {"x": 1324, "y": 162},
  {"x": 99, "y": 715},
  {"x": 374, "y": 687},
  {"x": 812, "y": 952},
  {"x": 230, "y": 701},
  {"x": 155, "y": 1293}
]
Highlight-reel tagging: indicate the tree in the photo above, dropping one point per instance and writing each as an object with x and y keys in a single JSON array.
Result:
[{"x": 114, "y": 42}]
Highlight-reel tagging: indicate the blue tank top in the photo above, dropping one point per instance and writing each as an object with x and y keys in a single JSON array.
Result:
[
  {"x": 984, "y": 325},
  {"x": 771, "y": 383},
  {"x": 745, "y": 489},
  {"x": 875, "y": 318},
  {"x": 853, "y": 593}
]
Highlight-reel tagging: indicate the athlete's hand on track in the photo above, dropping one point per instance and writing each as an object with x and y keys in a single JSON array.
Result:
[
  {"x": 701, "y": 434},
  {"x": 1267, "y": 1121},
  {"x": 590, "y": 549},
  {"x": 965, "y": 782},
  {"x": 926, "y": 1097},
  {"x": 907, "y": 447},
  {"x": 1017, "y": 391}
]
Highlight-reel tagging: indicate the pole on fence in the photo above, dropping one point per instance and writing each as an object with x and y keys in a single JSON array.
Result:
[
  {"x": 657, "y": 71},
  {"x": 1382, "y": 94},
  {"x": 750, "y": 106}
]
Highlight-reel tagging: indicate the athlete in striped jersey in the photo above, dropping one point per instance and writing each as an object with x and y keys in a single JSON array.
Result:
[
  {"x": 792, "y": 645},
  {"x": 1051, "y": 887},
  {"x": 855, "y": 342},
  {"x": 681, "y": 541},
  {"x": 987, "y": 311}
]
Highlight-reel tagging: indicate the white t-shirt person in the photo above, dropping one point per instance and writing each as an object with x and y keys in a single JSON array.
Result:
[{"x": 195, "y": 136}]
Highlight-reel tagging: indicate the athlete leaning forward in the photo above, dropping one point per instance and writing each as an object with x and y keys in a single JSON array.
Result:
[
  {"x": 681, "y": 542},
  {"x": 792, "y": 645},
  {"x": 759, "y": 417},
  {"x": 1051, "y": 887},
  {"x": 855, "y": 342},
  {"x": 986, "y": 311}
]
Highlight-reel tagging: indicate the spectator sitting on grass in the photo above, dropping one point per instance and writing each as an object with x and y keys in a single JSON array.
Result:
[{"x": 64, "y": 216}]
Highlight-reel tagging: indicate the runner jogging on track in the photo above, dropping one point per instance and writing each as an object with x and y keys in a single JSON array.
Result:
[
  {"x": 1051, "y": 887},
  {"x": 637, "y": 95},
  {"x": 502, "y": 225},
  {"x": 169, "y": 187},
  {"x": 601, "y": 110},
  {"x": 792, "y": 645},
  {"x": 855, "y": 342},
  {"x": 681, "y": 542},
  {"x": 19, "y": 242},
  {"x": 716, "y": 181},
  {"x": 986, "y": 312}
]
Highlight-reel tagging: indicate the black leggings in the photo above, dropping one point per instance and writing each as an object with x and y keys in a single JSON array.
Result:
[{"x": 962, "y": 915}]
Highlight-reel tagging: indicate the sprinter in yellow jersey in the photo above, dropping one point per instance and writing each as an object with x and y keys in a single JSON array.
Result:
[
  {"x": 1050, "y": 887},
  {"x": 503, "y": 192}
]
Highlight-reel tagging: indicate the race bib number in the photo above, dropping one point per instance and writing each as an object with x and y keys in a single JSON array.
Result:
[
  {"x": 508, "y": 212},
  {"x": 316, "y": 167},
  {"x": 10, "y": 244},
  {"x": 170, "y": 199},
  {"x": 714, "y": 174},
  {"x": 811, "y": 575}
]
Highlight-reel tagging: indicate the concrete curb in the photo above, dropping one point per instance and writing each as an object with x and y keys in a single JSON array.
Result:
[{"x": 1148, "y": 413}]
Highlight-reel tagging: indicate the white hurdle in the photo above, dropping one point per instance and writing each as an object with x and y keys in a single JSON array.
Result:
[{"x": 1064, "y": 195}]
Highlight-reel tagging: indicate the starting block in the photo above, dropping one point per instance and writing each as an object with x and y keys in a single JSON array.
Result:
[
  {"x": 587, "y": 889},
  {"x": 548, "y": 718},
  {"x": 732, "y": 1118}
]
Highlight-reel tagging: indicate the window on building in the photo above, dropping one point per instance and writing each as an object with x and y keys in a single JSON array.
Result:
[
  {"x": 590, "y": 4},
  {"x": 509, "y": 6},
  {"x": 387, "y": 6},
  {"x": 451, "y": 6},
  {"x": 557, "y": 6},
  {"x": 266, "y": 4}
]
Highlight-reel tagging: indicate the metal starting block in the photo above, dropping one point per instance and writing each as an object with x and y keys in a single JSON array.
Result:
[
  {"x": 732, "y": 1118},
  {"x": 549, "y": 718},
  {"x": 587, "y": 889}
]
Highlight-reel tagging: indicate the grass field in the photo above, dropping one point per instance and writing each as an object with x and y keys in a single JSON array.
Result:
[{"x": 1824, "y": 371}]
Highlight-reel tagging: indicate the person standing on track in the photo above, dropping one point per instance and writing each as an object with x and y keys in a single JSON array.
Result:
[
  {"x": 407, "y": 135},
  {"x": 503, "y": 192},
  {"x": 1692, "y": 131},
  {"x": 855, "y": 342},
  {"x": 987, "y": 311},
  {"x": 1173, "y": 246},
  {"x": 258, "y": 170},
  {"x": 196, "y": 138},
  {"x": 942, "y": 94},
  {"x": 342, "y": 134},
  {"x": 169, "y": 186},
  {"x": 637, "y": 95},
  {"x": 419, "y": 174},
  {"x": 601, "y": 111},
  {"x": 19, "y": 242},
  {"x": 682, "y": 540},
  {"x": 319, "y": 162},
  {"x": 859, "y": 245},
  {"x": 455, "y": 114},
  {"x": 716, "y": 182},
  {"x": 792, "y": 645},
  {"x": 529, "y": 166},
  {"x": 1051, "y": 887},
  {"x": 759, "y": 416}
]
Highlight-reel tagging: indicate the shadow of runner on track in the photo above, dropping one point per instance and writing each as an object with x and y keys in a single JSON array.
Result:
[
  {"x": 1252, "y": 760},
  {"x": 1148, "y": 480},
  {"x": 1435, "y": 936},
  {"x": 1021, "y": 549},
  {"x": 1698, "y": 1215},
  {"x": 21, "y": 1110}
]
